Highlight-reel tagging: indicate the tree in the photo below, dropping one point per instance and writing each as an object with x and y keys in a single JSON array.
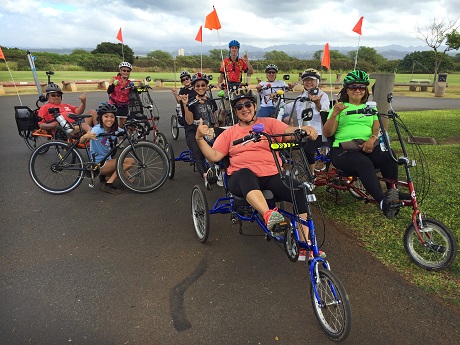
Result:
[
  {"x": 423, "y": 62},
  {"x": 159, "y": 55},
  {"x": 334, "y": 54},
  {"x": 369, "y": 55},
  {"x": 115, "y": 49},
  {"x": 438, "y": 32}
]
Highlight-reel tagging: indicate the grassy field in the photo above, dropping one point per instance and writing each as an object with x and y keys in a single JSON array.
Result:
[{"x": 452, "y": 91}]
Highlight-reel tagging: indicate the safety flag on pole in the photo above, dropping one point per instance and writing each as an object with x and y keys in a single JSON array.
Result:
[
  {"x": 199, "y": 35},
  {"x": 212, "y": 21},
  {"x": 358, "y": 26},
  {"x": 1, "y": 54},
  {"x": 326, "y": 61},
  {"x": 120, "y": 36}
]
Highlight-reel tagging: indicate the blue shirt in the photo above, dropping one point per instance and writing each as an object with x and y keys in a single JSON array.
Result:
[{"x": 101, "y": 145}]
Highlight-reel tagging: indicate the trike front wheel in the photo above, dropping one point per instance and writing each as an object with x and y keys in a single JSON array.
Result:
[
  {"x": 174, "y": 127},
  {"x": 143, "y": 167},
  {"x": 440, "y": 247},
  {"x": 200, "y": 213},
  {"x": 331, "y": 304}
]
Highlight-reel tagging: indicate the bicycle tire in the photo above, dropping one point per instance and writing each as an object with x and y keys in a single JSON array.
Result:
[
  {"x": 321, "y": 162},
  {"x": 174, "y": 127},
  {"x": 299, "y": 172},
  {"x": 441, "y": 247},
  {"x": 200, "y": 213},
  {"x": 51, "y": 173},
  {"x": 149, "y": 170},
  {"x": 291, "y": 245},
  {"x": 171, "y": 159},
  {"x": 356, "y": 182},
  {"x": 34, "y": 141},
  {"x": 160, "y": 139},
  {"x": 333, "y": 308}
]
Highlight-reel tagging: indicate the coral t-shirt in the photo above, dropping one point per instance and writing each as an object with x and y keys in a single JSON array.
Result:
[{"x": 255, "y": 156}]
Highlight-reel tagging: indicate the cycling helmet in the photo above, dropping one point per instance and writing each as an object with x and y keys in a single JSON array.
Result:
[
  {"x": 356, "y": 77},
  {"x": 242, "y": 93},
  {"x": 233, "y": 43},
  {"x": 271, "y": 67},
  {"x": 199, "y": 76},
  {"x": 184, "y": 74},
  {"x": 311, "y": 73},
  {"x": 52, "y": 87},
  {"x": 106, "y": 108},
  {"x": 125, "y": 64}
]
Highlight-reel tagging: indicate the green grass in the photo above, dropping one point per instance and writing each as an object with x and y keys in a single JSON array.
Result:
[{"x": 384, "y": 237}]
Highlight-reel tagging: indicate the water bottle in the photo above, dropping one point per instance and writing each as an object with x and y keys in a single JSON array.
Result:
[
  {"x": 281, "y": 113},
  {"x": 383, "y": 147},
  {"x": 64, "y": 123}
]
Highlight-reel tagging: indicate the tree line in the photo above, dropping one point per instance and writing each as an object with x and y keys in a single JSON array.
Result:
[{"x": 106, "y": 57}]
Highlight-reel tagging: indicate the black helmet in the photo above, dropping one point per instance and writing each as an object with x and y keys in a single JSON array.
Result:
[
  {"x": 52, "y": 87},
  {"x": 356, "y": 77},
  {"x": 271, "y": 67},
  {"x": 184, "y": 74},
  {"x": 311, "y": 73},
  {"x": 242, "y": 93},
  {"x": 200, "y": 76},
  {"x": 105, "y": 108}
]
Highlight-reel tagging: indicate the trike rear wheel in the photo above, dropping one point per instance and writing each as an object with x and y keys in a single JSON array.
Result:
[
  {"x": 440, "y": 247},
  {"x": 143, "y": 167},
  {"x": 174, "y": 127},
  {"x": 200, "y": 213},
  {"x": 34, "y": 141},
  {"x": 171, "y": 159},
  {"x": 331, "y": 304}
]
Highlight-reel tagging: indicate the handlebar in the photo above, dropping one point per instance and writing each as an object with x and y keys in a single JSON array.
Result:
[
  {"x": 369, "y": 110},
  {"x": 257, "y": 132}
]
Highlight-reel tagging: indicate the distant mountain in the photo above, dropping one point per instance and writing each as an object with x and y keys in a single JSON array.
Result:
[{"x": 301, "y": 51}]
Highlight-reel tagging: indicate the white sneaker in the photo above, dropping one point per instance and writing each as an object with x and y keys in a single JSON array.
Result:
[{"x": 220, "y": 179}]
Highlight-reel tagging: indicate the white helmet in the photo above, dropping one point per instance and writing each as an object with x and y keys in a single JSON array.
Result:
[{"x": 125, "y": 64}]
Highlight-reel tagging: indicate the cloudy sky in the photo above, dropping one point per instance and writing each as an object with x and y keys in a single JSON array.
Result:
[{"x": 173, "y": 24}]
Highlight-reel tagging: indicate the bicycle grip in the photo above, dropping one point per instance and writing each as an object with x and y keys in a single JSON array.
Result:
[{"x": 241, "y": 140}]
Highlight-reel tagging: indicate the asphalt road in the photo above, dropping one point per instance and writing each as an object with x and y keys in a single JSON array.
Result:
[{"x": 92, "y": 268}]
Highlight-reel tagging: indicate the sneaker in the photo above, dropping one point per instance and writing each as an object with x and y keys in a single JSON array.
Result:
[
  {"x": 321, "y": 255},
  {"x": 210, "y": 178},
  {"x": 220, "y": 179},
  {"x": 391, "y": 204},
  {"x": 110, "y": 188},
  {"x": 302, "y": 255},
  {"x": 272, "y": 217}
]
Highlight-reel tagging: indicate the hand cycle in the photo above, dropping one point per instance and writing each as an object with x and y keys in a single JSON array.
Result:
[
  {"x": 429, "y": 243},
  {"x": 27, "y": 124},
  {"x": 57, "y": 167},
  {"x": 328, "y": 296}
]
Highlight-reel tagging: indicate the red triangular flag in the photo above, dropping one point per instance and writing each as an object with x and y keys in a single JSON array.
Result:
[
  {"x": 120, "y": 36},
  {"x": 358, "y": 26},
  {"x": 199, "y": 35},
  {"x": 326, "y": 61},
  {"x": 212, "y": 21},
  {"x": 1, "y": 54}
]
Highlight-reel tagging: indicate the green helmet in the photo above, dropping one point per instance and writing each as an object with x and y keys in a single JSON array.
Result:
[
  {"x": 356, "y": 77},
  {"x": 242, "y": 93}
]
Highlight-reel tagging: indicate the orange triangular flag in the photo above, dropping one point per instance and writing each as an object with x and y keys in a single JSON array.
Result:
[
  {"x": 1, "y": 54},
  {"x": 326, "y": 61},
  {"x": 212, "y": 21},
  {"x": 120, "y": 36},
  {"x": 199, "y": 35},
  {"x": 358, "y": 26}
]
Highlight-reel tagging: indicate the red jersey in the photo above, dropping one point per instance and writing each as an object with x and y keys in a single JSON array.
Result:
[
  {"x": 120, "y": 95},
  {"x": 234, "y": 70},
  {"x": 64, "y": 109}
]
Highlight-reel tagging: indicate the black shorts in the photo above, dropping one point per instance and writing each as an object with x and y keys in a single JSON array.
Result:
[{"x": 122, "y": 112}]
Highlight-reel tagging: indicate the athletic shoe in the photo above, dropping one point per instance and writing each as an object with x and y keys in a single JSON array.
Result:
[
  {"x": 272, "y": 217},
  {"x": 110, "y": 188}
]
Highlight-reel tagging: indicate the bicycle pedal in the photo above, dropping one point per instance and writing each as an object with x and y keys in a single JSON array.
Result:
[{"x": 437, "y": 248}]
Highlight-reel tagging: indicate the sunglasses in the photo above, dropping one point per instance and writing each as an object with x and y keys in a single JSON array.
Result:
[
  {"x": 247, "y": 104},
  {"x": 200, "y": 85},
  {"x": 357, "y": 87},
  {"x": 125, "y": 70},
  {"x": 54, "y": 94},
  {"x": 271, "y": 72},
  {"x": 184, "y": 79}
]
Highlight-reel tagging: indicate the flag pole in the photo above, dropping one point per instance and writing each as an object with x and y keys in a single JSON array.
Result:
[
  {"x": 15, "y": 87},
  {"x": 175, "y": 82},
  {"x": 356, "y": 56}
]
